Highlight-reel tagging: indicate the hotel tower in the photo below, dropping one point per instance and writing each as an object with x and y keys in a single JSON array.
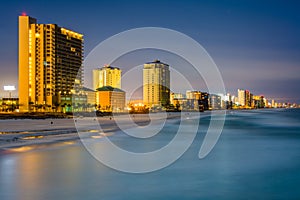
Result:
[
  {"x": 107, "y": 76},
  {"x": 50, "y": 64},
  {"x": 156, "y": 84}
]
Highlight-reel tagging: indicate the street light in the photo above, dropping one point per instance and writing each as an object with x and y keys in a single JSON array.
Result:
[{"x": 9, "y": 88}]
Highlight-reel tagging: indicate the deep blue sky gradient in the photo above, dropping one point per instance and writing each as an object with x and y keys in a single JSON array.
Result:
[{"x": 256, "y": 44}]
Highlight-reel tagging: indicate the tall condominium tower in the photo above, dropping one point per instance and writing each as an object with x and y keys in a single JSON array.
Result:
[
  {"x": 156, "y": 84},
  {"x": 241, "y": 97},
  {"x": 50, "y": 64},
  {"x": 107, "y": 76}
]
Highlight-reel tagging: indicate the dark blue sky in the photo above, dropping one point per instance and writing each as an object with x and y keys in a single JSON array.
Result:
[{"x": 256, "y": 44}]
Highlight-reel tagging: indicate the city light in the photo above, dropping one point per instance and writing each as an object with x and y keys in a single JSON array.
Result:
[{"x": 9, "y": 88}]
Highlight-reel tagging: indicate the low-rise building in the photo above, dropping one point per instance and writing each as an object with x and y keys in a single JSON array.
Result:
[{"x": 109, "y": 99}]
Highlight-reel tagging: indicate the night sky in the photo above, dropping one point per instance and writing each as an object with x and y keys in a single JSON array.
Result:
[{"x": 255, "y": 44}]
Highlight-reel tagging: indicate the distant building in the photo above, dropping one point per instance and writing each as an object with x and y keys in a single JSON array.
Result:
[
  {"x": 193, "y": 94},
  {"x": 197, "y": 100},
  {"x": 215, "y": 102},
  {"x": 109, "y": 99},
  {"x": 248, "y": 98},
  {"x": 9, "y": 104},
  {"x": 107, "y": 76},
  {"x": 50, "y": 64},
  {"x": 241, "y": 97},
  {"x": 174, "y": 97},
  {"x": 228, "y": 103},
  {"x": 193, "y": 100},
  {"x": 245, "y": 98},
  {"x": 273, "y": 104},
  {"x": 156, "y": 84},
  {"x": 258, "y": 101},
  {"x": 234, "y": 100},
  {"x": 266, "y": 103},
  {"x": 204, "y": 100}
]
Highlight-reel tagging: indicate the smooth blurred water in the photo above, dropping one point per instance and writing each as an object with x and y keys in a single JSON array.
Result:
[{"x": 257, "y": 157}]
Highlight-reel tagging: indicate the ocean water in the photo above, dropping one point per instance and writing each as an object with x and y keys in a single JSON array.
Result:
[{"x": 257, "y": 157}]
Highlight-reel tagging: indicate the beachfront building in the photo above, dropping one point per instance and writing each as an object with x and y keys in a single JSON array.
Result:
[
  {"x": 215, "y": 102},
  {"x": 107, "y": 76},
  {"x": 245, "y": 98},
  {"x": 241, "y": 97},
  {"x": 249, "y": 99},
  {"x": 174, "y": 98},
  {"x": 193, "y": 100},
  {"x": 9, "y": 104},
  {"x": 193, "y": 94},
  {"x": 204, "y": 100},
  {"x": 258, "y": 101},
  {"x": 226, "y": 101},
  {"x": 50, "y": 64},
  {"x": 197, "y": 100},
  {"x": 156, "y": 84},
  {"x": 109, "y": 99},
  {"x": 90, "y": 98}
]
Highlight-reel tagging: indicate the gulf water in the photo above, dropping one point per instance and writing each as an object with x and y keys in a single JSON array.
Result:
[{"x": 256, "y": 157}]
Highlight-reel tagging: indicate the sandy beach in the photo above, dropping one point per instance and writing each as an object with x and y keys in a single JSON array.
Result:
[{"x": 24, "y": 132}]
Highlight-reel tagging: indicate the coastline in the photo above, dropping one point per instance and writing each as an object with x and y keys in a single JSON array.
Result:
[{"x": 28, "y": 132}]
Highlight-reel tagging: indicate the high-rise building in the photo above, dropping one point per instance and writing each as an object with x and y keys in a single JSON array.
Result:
[
  {"x": 156, "y": 84},
  {"x": 258, "y": 101},
  {"x": 204, "y": 100},
  {"x": 241, "y": 97},
  {"x": 226, "y": 102},
  {"x": 215, "y": 102},
  {"x": 248, "y": 98},
  {"x": 107, "y": 76},
  {"x": 273, "y": 103},
  {"x": 50, "y": 64},
  {"x": 266, "y": 103}
]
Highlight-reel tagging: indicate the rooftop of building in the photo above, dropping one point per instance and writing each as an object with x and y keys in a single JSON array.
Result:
[
  {"x": 109, "y": 88},
  {"x": 64, "y": 30},
  {"x": 87, "y": 89},
  {"x": 157, "y": 62},
  {"x": 109, "y": 67}
]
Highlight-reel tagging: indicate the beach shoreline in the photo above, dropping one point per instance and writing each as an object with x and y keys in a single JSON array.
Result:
[{"x": 27, "y": 132}]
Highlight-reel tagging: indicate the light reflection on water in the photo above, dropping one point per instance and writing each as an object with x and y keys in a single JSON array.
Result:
[{"x": 251, "y": 160}]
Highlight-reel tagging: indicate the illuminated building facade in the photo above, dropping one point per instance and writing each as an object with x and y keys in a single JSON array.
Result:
[
  {"x": 204, "y": 100},
  {"x": 197, "y": 100},
  {"x": 109, "y": 99},
  {"x": 241, "y": 97},
  {"x": 248, "y": 99},
  {"x": 245, "y": 98},
  {"x": 258, "y": 101},
  {"x": 107, "y": 76},
  {"x": 174, "y": 98},
  {"x": 215, "y": 102},
  {"x": 193, "y": 94},
  {"x": 9, "y": 104},
  {"x": 50, "y": 64},
  {"x": 193, "y": 100},
  {"x": 156, "y": 84}
]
